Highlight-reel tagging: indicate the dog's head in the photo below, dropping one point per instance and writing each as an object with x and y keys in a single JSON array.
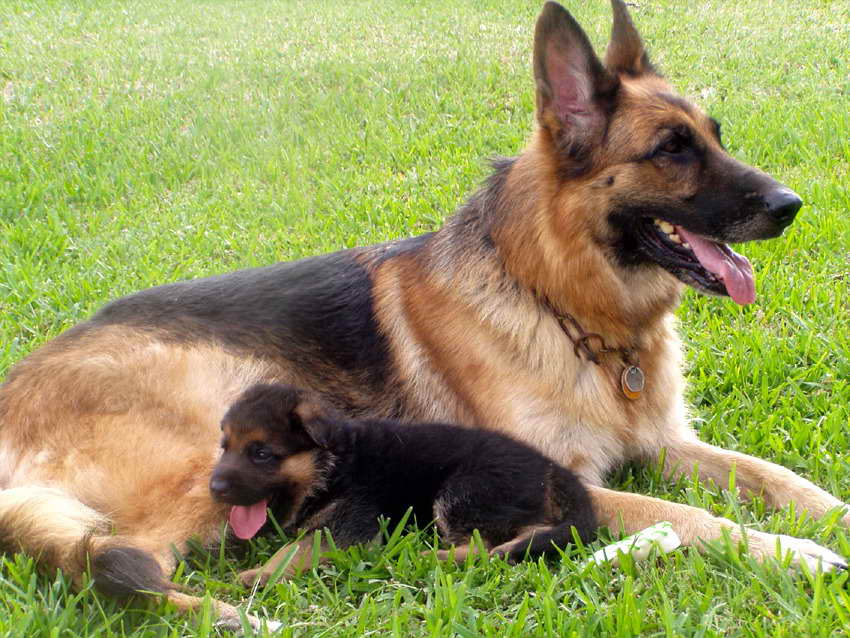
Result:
[
  {"x": 270, "y": 439},
  {"x": 640, "y": 172}
]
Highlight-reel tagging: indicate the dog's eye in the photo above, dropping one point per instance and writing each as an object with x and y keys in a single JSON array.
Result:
[
  {"x": 678, "y": 140},
  {"x": 676, "y": 144}
]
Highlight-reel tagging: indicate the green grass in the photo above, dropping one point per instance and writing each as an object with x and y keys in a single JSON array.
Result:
[{"x": 144, "y": 142}]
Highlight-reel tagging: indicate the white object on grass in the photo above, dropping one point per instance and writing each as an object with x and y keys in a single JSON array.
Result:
[
  {"x": 235, "y": 624},
  {"x": 660, "y": 536}
]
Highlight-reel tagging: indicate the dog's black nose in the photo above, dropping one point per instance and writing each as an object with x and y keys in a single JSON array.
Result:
[
  {"x": 219, "y": 486},
  {"x": 782, "y": 205}
]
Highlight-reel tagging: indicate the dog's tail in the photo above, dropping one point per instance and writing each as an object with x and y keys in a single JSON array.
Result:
[
  {"x": 571, "y": 498},
  {"x": 63, "y": 533}
]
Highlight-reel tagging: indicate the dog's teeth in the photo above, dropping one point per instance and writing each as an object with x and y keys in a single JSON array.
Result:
[
  {"x": 675, "y": 238},
  {"x": 666, "y": 227},
  {"x": 686, "y": 245},
  {"x": 657, "y": 222}
]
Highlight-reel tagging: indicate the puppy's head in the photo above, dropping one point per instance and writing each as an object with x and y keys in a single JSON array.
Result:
[{"x": 271, "y": 437}]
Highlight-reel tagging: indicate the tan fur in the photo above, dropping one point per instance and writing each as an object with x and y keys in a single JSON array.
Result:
[
  {"x": 513, "y": 369},
  {"x": 23, "y": 509},
  {"x": 300, "y": 468},
  {"x": 124, "y": 437},
  {"x": 111, "y": 432},
  {"x": 126, "y": 447},
  {"x": 504, "y": 373},
  {"x": 240, "y": 438},
  {"x": 301, "y": 471}
]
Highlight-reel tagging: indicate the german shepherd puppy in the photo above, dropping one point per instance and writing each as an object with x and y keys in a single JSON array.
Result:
[
  {"x": 543, "y": 309},
  {"x": 316, "y": 470}
]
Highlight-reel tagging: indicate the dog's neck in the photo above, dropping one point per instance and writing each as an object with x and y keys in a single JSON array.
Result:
[
  {"x": 549, "y": 247},
  {"x": 591, "y": 346}
]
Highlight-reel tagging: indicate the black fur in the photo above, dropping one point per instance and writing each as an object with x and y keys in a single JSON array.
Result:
[
  {"x": 390, "y": 249},
  {"x": 126, "y": 571},
  {"x": 314, "y": 309},
  {"x": 465, "y": 478}
]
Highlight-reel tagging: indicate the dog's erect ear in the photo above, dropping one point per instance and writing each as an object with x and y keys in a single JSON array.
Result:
[
  {"x": 574, "y": 90},
  {"x": 311, "y": 415},
  {"x": 626, "y": 53}
]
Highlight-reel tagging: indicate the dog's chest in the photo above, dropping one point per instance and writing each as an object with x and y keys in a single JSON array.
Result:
[
  {"x": 572, "y": 410},
  {"x": 576, "y": 411}
]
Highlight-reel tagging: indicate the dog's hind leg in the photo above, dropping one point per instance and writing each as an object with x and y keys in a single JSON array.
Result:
[
  {"x": 64, "y": 533},
  {"x": 543, "y": 540},
  {"x": 120, "y": 568},
  {"x": 457, "y": 552},
  {"x": 570, "y": 505},
  {"x": 51, "y": 525}
]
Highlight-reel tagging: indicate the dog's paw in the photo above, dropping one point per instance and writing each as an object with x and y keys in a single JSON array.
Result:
[
  {"x": 800, "y": 550},
  {"x": 639, "y": 546}
]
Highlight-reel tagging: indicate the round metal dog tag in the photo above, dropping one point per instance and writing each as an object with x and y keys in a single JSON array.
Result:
[{"x": 632, "y": 382}]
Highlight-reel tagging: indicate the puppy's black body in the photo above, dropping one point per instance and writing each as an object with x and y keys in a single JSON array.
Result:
[
  {"x": 464, "y": 479},
  {"x": 276, "y": 439}
]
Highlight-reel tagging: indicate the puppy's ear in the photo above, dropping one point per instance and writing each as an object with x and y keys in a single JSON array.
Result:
[{"x": 313, "y": 416}]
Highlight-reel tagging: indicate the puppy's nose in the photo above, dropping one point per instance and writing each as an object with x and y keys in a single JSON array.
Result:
[
  {"x": 782, "y": 205},
  {"x": 219, "y": 486}
]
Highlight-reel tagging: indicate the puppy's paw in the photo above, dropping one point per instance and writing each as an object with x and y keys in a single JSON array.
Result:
[
  {"x": 512, "y": 552},
  {"x": 801, "y": 551},
  {"x": 458, "y": 553},
  {"x": 229, "y": 623},
  {"x": 252, "y": 576}
]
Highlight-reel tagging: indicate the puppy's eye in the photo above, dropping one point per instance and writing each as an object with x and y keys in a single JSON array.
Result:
[{"x": 261, "y": 454}]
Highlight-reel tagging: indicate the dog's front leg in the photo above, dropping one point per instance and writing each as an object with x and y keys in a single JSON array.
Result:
[
  {"x": 778, "y": 486},
  {"x": 630, "y": 513}
]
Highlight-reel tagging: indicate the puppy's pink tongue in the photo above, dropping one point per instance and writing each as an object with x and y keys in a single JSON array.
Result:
[
  {"x": 246, "y": 520},
  {"x": 732, "y": 269}
]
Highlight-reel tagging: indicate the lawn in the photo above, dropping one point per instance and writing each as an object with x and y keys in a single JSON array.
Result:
[{"x": 145, "y": 142}]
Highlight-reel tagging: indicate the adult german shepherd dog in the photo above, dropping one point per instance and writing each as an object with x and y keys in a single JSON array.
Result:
[{"x": 543, "y": 309}]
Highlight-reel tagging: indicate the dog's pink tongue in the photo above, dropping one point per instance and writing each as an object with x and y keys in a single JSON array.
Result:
[
  {"x": 732, "y": 269},
  {"x": 246, "y": 520}
]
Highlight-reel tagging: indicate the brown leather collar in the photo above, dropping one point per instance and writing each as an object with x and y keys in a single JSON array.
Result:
[{"x": 632, "y": 378}]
